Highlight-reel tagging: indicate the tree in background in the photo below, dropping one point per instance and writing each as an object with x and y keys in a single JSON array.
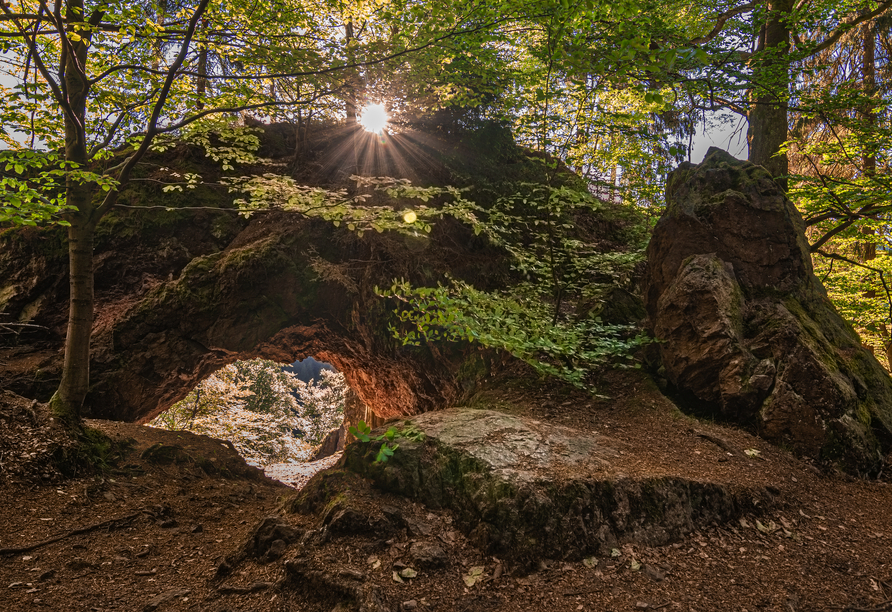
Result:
[
  {"x": 839, "y": 154},
  {"x": 93, "y": 78},
  {"x": 609, "y": 89}
]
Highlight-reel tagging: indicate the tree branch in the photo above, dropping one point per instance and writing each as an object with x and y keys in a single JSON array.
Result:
[
  {"x": 847, "y": 25},
  {"x": 720, "y": 22},
  {"x": 112, "y": 196}
]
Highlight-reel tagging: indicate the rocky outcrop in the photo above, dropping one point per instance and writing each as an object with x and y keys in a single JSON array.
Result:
[
  {"x": 745, "y": 329},
  {"x": 332, "y": 443},
  {"x": 183, "y": 285},
  {"x": 523, "y": 489},
  {"x": 281, "y": 287}
]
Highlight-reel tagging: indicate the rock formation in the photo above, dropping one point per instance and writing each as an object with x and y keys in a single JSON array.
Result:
[
  {"x": 182, "y": 298},
  {"x": 186, "y": 286},
  {"x": 332, "y": 443},
  {"x": 745, "y": 328},
  {"x": 524, "y": 489}
]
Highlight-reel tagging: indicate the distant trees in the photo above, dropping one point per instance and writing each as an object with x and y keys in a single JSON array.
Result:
[{"x": 268, "y": 414}]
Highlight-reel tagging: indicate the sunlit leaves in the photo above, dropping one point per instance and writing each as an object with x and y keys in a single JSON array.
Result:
[
  {"x": 542, "y": 319},
  {"x": 274, "y": 191}
]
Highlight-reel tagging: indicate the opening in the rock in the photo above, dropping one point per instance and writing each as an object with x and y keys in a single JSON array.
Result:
[{"x": 277, "y": 416}]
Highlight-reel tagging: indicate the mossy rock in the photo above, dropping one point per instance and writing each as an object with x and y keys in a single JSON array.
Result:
[
  {"x": 523, "y": 489},
  {"x": 746, "y": 331}
]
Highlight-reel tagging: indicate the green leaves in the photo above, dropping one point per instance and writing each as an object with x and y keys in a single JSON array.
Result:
[
  {"x": 407, "y": 431},
  {"x": 541, "y": 318},
  {"x": 33, "y": 186},
  {"x": 273, "y": 191}
]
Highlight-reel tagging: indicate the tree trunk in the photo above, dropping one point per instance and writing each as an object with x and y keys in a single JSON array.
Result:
[
  {"x": 868, "y": 84},
  {"x": 868, "y": 248},
  {"x": 67, "y": 401},
  {"x": 202, "y": 82},
  {"x": 771, "y": 86},
  {"x": 350, "y": 88}
]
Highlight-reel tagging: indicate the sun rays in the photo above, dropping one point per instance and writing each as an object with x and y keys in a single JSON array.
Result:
[{"x": 374, "y": 118}]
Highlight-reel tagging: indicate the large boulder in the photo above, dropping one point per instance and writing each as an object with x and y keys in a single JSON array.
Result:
[
  {"x": 746, "y": 330},
  {"x": 524, "y": 489}
]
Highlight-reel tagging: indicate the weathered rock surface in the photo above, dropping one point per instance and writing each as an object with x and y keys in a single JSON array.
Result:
[
  {"x": 524, "y": 489},
  {"x": 332, "y": 443},
  {"x": 745, "y": 327}
]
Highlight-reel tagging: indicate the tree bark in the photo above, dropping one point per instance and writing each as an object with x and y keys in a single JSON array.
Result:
[
  {"x": 868, "y": 248},
  {"x": 202, "y": 82},
  {"x": 67, "y": 401},
  {"x": 771, "y": 85},
  {"x": 868, "y": 84},
  {"x": 69, "y": 398},
  {"x": 350, "y": 89}
]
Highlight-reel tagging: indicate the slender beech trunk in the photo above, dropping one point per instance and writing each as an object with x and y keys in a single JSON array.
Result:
[
  {"x": 350, "y": 97},
  {"x": 202, "y": 82},
  {"x": 68, "y": 399},
  {"x": 868, "y": 83},
  {"x": 868, "y": 248},
  {"x": 66, "y": 403},
  {"x": 771, "y": 78}
]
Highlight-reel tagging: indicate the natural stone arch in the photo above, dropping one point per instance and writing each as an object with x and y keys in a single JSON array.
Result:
[{"x": 283, "y": 288}]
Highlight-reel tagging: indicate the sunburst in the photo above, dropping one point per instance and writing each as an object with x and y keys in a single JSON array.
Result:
[{"x": 374, "y": 118}]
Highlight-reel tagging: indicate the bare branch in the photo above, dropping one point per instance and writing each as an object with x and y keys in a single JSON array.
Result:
[
  {"x": 847, "y": 25},
  {"x": 152, "y": 130},
  {"x": 720, "y": 22}
]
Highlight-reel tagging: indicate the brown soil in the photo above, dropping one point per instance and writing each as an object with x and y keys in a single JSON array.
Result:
[{"x": 824, "y": 545}]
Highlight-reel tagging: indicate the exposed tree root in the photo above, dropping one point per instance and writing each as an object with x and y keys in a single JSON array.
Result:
[{"x": 115, "y": 522}]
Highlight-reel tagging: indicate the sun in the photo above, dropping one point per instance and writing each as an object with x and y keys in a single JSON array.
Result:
[{"x": 374, "y": 118}]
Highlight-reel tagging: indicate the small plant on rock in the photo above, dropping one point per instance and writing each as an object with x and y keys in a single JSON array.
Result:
[{"x": 408, "y": 431}]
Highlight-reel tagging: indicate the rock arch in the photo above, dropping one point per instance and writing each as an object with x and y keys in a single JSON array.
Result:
[{"x": 282, "y": 288}]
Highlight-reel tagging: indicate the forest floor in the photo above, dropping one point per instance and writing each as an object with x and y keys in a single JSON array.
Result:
[{"x": 150, "y": 531}]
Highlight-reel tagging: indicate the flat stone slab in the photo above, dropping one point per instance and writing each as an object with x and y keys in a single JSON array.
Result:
[
  {"x": 518, "y": 448},
  {"x": 524, "y": 489}
]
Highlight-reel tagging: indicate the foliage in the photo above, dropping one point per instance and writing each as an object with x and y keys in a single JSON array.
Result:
[
  {"x": 408, "y": 431},
  {"x": 320, "y": 406},
  {"x": 546, "y": 317},
  {"x": 839, "y": 151},
  {"x": 272, "y": 191},
  {"x": 862, "y": 292},
  {"x": 268, "y": 414},
  {"x": 609, "y": 90}
]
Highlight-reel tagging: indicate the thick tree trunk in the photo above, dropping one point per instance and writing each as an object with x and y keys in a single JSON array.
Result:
[{"x": 771, "y": 77}]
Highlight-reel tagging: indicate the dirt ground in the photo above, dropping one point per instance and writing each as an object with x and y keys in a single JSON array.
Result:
[{"x": 150, "y": 532}]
